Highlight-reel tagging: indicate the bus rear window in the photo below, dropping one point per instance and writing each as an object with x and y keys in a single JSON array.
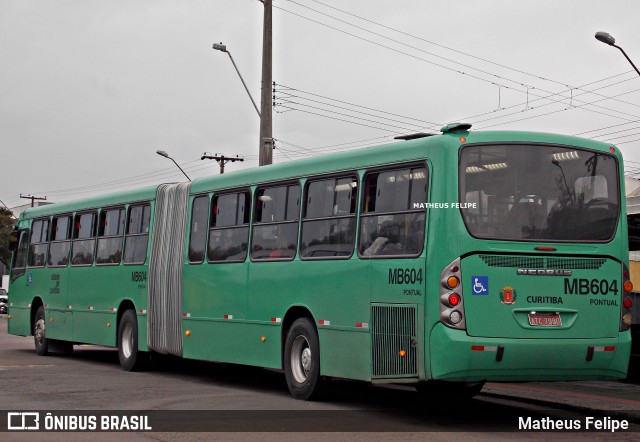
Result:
[{"x": 538, "y": 192}]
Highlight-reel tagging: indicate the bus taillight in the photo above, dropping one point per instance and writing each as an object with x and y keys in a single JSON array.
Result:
[
  {"x": 452, "y": 302},
  {"x": 455, "y": 317},
  {"x": 625, "y": 306},
  {"x": 452, "y": 282}
]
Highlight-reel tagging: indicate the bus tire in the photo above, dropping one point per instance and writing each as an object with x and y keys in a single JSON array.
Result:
[
  {"x": 39, "y": 336},
  {"x": 302, "y": 360},
  {"x": 131, "y": 359}
]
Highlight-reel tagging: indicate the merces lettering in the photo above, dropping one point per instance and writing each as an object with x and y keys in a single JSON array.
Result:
[{"x": 543, "y": 272}]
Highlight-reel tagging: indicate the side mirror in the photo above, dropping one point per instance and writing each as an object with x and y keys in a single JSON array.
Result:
[{"x": 14, "y": 237}]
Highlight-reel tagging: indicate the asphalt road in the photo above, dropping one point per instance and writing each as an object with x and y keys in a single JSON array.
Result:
[{"x": 233, "y": 402}]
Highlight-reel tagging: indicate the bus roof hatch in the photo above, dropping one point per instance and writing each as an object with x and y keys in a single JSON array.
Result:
[
  {"x": 412, "y": 136},
  {"x": 455, "y": 127}
]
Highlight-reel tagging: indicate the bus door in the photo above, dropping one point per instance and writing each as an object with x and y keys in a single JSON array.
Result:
[{"x": 57, "y": 305}]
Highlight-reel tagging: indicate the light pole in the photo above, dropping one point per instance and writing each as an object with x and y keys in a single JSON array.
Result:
[
  {"x": 608, "y": 39},
  {"x": 222, "y": 48},
  {"x": 265, "y": 142},
  {"x": 162, "y": 153}
]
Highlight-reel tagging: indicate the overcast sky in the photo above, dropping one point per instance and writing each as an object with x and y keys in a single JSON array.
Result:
[{"x": 89, "y": 89}]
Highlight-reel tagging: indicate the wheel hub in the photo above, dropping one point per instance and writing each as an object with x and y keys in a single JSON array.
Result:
[
  {"x": 301, "y": 359},
  {"x": 38, "y": 332}
]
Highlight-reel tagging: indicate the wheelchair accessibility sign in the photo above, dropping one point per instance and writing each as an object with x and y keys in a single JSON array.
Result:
[{"x": 480, "y": 285}]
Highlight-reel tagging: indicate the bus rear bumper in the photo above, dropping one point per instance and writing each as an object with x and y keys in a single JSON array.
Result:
[{"x": 455, "y": 356}]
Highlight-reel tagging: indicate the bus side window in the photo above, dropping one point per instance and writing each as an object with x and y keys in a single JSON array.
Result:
[
  {"x": 20, "y": 256},
  {"x": 110, "y": 234},
  {"x": 389, "y": 223},
  {"x": 60, "y": 241},
  {"x": 84, "y": 239},
  {"x": 229, "y": 231},
  {"x": 38, "y": 245},
  {"x": 329, "y": 221},
  {"x": 275, "y": 230},
  {"x": 198, "y": 235},
  {"x": 137, "y": 234}
]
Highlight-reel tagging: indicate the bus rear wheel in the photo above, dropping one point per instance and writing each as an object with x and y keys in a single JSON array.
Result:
[
  {"x": 39, "y": 336},
  {"x": 302, "y": 360},
  {"x": 131, "y": 359}
]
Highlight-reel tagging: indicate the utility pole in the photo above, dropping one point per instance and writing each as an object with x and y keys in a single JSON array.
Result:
[
  {"x": 221, "y": 159},
  {"x": 32, "y": 198},
  {"x": 266, "y": 105}
]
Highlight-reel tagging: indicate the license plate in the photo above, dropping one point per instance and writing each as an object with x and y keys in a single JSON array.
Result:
[{"x": 545, "y": 320}]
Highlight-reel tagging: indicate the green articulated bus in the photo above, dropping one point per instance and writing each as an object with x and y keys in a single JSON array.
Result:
[{"x": 441, "y": 260}]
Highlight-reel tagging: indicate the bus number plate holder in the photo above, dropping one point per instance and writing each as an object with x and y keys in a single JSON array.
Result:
[{"x": 545, "y": 319}]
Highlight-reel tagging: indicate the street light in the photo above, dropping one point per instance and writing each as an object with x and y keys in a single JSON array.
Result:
[
  {"x": 222, "y": 48},
  {"x": 607, "y": 38},
  {"x": 162, "y": 153}
]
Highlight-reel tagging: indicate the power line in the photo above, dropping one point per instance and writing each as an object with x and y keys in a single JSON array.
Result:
[
  {"x": 129, "y": 182},
  {"x": 396, "y": 50},
  {"x": 528, "y": 91},
  {"x": 293, "y": 103},
  {"x": 285, "y": 90},
  {"x": 608, "y": 127},
  {"x": 335, "y": 118},
  {"x": 528, "y": 88},
  {"x": 466, "y": 54}
]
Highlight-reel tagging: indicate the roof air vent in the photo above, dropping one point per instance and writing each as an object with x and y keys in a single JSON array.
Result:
[
  {"x": 455, "y": 127},
  {"x": 412, "y": 136}
]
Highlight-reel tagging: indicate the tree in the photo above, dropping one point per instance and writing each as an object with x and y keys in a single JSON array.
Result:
[{"x": 6, "y": 226}]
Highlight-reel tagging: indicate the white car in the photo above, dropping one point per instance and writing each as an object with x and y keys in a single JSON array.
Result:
[{"x": 3, "y": 302}]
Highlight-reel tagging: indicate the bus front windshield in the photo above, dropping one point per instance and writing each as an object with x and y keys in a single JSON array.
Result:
[{"x": 539, "y": 193}]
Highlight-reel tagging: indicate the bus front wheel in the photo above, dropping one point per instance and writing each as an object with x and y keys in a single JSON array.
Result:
[
  {"x": 39, "y": 336},
  {"x": 131, "y": 359},
  {"x": 302, "y": 360}
]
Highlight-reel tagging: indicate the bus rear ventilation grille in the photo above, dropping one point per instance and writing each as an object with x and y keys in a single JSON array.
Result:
[
  {"x": 541, "y": 262},
  {"x": 393, "y": 341}
]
